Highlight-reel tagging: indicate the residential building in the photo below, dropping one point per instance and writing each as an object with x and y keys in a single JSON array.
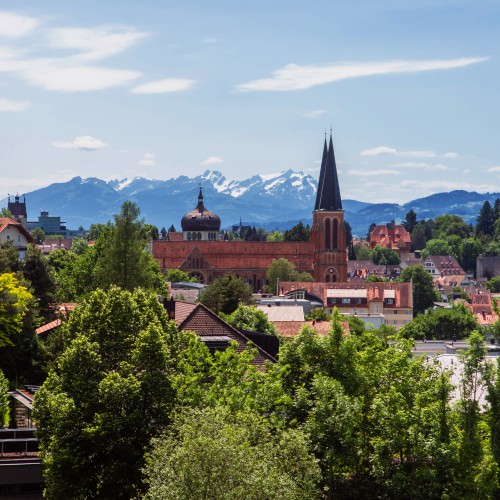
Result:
[
  {"x": 392, "y": 236},
  {"x": 15, "y": 233},
  {"x": 393, "y": 300}
]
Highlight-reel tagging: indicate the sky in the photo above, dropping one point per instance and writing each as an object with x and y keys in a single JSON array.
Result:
[{"x": 158, "y": 89}]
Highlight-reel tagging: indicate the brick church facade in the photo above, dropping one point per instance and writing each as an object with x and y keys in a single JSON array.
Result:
[{"x": 324, "y": 256}]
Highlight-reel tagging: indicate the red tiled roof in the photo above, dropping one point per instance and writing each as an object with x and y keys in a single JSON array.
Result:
[
  {"x": 6, "y": 222},
  {"x": 48, "y": 327},
  {"x": 395, "y": 237},
  {"x": 292, "y": 328}
]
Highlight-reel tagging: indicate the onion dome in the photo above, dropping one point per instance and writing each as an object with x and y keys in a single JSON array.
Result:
[{"x": 200, "y": 219}]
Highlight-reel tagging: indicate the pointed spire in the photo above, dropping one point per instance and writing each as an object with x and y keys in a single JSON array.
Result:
[
  {"x": 328, "y": 197},
  {"x": 321, "y": 177}
]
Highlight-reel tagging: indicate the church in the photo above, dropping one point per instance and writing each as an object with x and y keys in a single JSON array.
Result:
[{"x": 199, "y": 252}]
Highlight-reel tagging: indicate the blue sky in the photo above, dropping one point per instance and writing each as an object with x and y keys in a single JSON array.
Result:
[{"x": 116, "y": 89}]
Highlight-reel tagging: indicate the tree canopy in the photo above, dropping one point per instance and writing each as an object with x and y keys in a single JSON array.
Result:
[
  {"x": 225, "y": 293},
  {"x": 283, "y": 270}
]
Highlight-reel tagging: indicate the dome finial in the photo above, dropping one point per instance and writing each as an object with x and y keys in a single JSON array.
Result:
[{"x": 200, "y": 196}]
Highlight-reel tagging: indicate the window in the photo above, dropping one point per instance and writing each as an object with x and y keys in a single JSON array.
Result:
[
  {"x": 19, "y": 238},
  {"x": 335, "y": 234},
  {"x": 346, "y": 301},
  {"x": 375, "y": 309},
  {"x": 389, "y": 301},
  {"x": 327, "y": 234},
  {"x": 8, "y": 236}
]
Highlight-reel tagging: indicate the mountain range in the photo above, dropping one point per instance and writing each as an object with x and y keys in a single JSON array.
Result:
[{"x": 273, "y": 201}]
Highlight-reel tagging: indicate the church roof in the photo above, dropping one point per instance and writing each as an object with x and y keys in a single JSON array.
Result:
[
  {"x": 200, "y": 219},
  {"x": 328, "y": 196}
]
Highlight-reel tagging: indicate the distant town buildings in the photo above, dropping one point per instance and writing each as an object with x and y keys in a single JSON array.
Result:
[{"x": 203, "y": 255}]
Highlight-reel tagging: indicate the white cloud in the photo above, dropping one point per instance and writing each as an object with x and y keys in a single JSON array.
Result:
[
  {"x": 15, "y": 26},
  {"x": 84, "y": 142},
  {"x": 97, "y": 43},
  {"x": 370, "y": 173},
  {"x": 422, "y": 166},
  {"x": 295, "y": 77},
  {"x": 147, "y": 160},
  {"x": 384, "y": 150},
  {"x": 52, "y": 76},
  {"x": 8, "y": 105},
  {"x": 438, "y": 185},
  {"x": 163, "y": 86},
  {"x": 494, "y": 169},
  {"x": 315, "y": 113},
  {"x": 212, "y": 160},
  {"x": 210, "y": 39},
  {"x": 466, "y": 171}
]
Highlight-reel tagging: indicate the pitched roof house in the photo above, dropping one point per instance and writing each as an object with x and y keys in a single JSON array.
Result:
[
  {"x": 393, "y": 236},
  {"x": 12, "y": 231}
]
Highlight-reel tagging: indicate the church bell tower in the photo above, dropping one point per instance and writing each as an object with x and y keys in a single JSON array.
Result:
[{"x": 328, "y": 231}]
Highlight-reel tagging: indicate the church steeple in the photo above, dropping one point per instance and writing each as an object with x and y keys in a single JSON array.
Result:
[{"x": 328, "y": 196}]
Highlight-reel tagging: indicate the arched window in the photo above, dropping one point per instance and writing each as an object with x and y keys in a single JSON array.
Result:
[
  {"x": 327, "y": 234},
  {"x": 199, "y": 236},
  {"x": 334, "y": 278},
  {"x": 327, "y": 278},
  {"x": 189, "y": 236},
  {"x": 335, "y": 233}
]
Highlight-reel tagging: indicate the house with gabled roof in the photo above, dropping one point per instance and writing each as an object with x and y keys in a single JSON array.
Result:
[
  {"x": 14, "y": 232},
  {"x": 392, "y": 236},
  {"x": 213, "y": 331}
]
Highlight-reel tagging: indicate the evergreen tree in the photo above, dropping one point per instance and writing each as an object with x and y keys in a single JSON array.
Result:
[
  {"x": 370, "y": 229},
  {"x": 485, "y": 220},
  {"x": 299, "y": 232},
  {"x": 410, "y": 221}
]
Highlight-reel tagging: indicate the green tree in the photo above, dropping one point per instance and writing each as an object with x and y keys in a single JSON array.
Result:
[
  {"x": 4, "y": 400},
  {"x": 171, "y": 229},
  {"x": 447, "y": 225},
  {"x": 125, "y": 261},
  {"x": 249, "y": 318},
  {"x": 9, "y": 258},
  {"x": 275, "y": 236},
  {"x": 283, "y": 270},
  {"x": 382, "y": 255},
  {"x": 485, "y": 219},
  {"x": 96, "y": 230},
  {"x": 418, "y": 238},
  {"x": 471, "y": 248},
  {"x": 362, "y": 251},
  {"x": 37, "y": 271},
  {"x": 225, "y": 293},
  {"x": 441, "y": 324},
  {"x": 493, "y": 285},
  {"x": 410, "y": 221},
  {"x": 246, "y": 459},
  {"x": 299, "y": 232},
  {"x": 14, "y": 299},
  {"x": 422, "y": 285},
  {"x": 38, "y": 235},
  {"x": 436, "y": 247},
  {"x": 108, "y": 395},
  {"x": 151, "y": 232},
  {"x": 79, "y": 246},
  {"x": 478, "y": 477},
  {"x": 179, "y": 276},
  {"x": 6, "y": 213}
]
